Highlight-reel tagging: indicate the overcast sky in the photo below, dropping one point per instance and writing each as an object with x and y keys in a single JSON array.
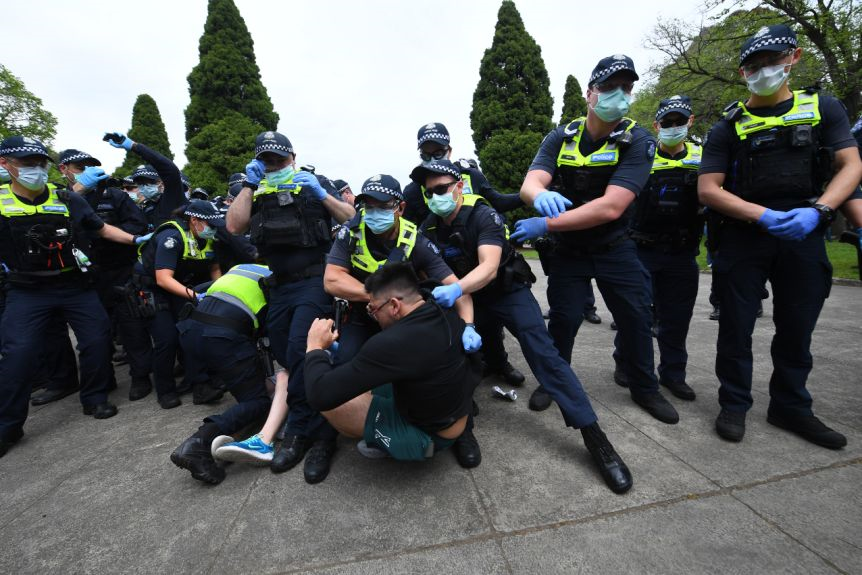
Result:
[{"x": 351, "y": 81}]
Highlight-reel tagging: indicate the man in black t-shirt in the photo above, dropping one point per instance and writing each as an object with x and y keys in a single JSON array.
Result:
[
  {"x": 408, "y": 391},
  {"x": 764, "y": 170},
  {"x": 600, "y": 163}
]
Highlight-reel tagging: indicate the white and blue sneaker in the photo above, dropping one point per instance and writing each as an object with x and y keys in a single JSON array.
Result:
[
  {"x": 251, "y": 450},
  {"x": 218, "y": 442}
]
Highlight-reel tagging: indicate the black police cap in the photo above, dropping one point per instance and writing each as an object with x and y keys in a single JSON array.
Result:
[
  {"x": 435, "y": 167},
  {"x": 678, "y": 104},
  {"x": 236, "y": 178},
  {"x": 199, "y": 194},
  {"x": 23, "y": 146},
  {"x": 203, "y": 210},
  {"x": 382, "y": 187},
  {"x": 340, "y": 185},
  {"x": 433, "y": 132},
  {"x": 145, "y": 172},
  {"x": 72, "y": 156},
  {"x": 775, "y": 38},
  {"x": 611, "y": 65},
  {"x": 272, "y": 142}
]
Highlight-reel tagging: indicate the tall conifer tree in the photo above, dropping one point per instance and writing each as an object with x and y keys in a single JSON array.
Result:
[
  {"x": 148, "y": 129},
  {"x": 574, "y": 103}
]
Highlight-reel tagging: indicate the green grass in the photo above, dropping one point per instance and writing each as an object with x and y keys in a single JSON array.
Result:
[{"x": 842, "y": 256}]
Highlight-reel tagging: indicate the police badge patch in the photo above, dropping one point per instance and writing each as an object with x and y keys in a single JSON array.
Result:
[
  {"x": 433, "y": 247},
  {"x": 650, "y": 150},
  {"x": 170, "y": 243}
]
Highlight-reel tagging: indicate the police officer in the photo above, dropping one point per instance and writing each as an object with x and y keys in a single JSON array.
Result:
[
  {"x": 42, "y": 245},
  {"x": 377, "y": 236},
  {"x": 601, "y": 163},
  {"x": 160, "y": 181},
  {"x": 344, "y": 191},
  {"x": 288, "y": 213},
  {"x": 220, "y": 336},
  {"x": 180, "y": 254},
  {"x": 766, "y": 167},
  {"x": 433, "y": 144},
  {"x": 114, "y": 261},
  {"x": 667, "y": 228},
  {"x": 472, "y": 238}
]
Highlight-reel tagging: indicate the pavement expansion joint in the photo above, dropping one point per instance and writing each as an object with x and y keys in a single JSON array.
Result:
[{"x": 231, "y": 525}]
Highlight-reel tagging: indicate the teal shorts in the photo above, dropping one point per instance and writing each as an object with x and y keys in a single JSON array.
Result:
[{"x": 387, "y": 430}]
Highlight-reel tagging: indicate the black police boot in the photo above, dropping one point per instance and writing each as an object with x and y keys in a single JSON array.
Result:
[
  {"x": 319, "y": 460},
  {"x": 282, "y": 432},
  {"x": 204, "y": 393},
  {"x": 467, "y": 450},
  {"x": 540, "y": 400},
  {"x": 614, "y": 471},
  {"x": 760, "y": 309},
  {"x": 680, "y": 389},
  {"x": 7, "y": 442},
  {"x": 656, "y": 405},
  {"x": 290, "y": 452},
  {"x": 120, "y": 357},
  {"x": 140, "y": 388},
  {"x": 51, "y": 395},
  {"x": 715, "y": 313},
  {"x": 170, "y": 400},
  {"x": 620, "y": 377},
  {"x": 511, "y": 376},
  {"x": 592, "y": 317},
  {"x": 730, "y": 425},
  {"x": 809, "y": 428},
  {"x": 194, "y": 455},
  {"x": 101, "y": 410}
]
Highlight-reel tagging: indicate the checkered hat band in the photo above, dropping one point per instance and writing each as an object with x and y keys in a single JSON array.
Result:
[
  {"x": 78, "y": 158},
  {"x": 677, "y": 106},
  {"x": 30, "y": 149},
  {"x": 146, "y": 174},
  {"x": 445, "y": 170},
  {"x": 610, "y": 70},
  {"x": 375, "y": 187},
  {"x": 760, "y": 44},
  {"x": 201, "y": 216},
  {"x": 270, "y": 147},
  {"x": 433, "y": 136}
]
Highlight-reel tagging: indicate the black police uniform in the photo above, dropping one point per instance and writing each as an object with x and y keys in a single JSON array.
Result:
[
  {"x": 168, "y": 249},
  {"x": 789, "y": 170},
  {"x": 44, "y": 280},
  {"x": 160, "y": 210},
  {"x": 571, "y": 259},
  {"x": 508, "y": 301},
  {"x": 667, "y": 228}
]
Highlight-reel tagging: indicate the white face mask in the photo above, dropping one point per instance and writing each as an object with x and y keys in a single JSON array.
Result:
[
  {"x": 768, "y": 80},
  {"x": 33, "y": 178}
]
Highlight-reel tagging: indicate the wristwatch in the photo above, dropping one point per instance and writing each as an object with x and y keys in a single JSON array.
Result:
[{"x": 827, "y": 214}]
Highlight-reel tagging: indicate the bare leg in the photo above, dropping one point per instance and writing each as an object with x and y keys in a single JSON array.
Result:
[
  {"x": 349, "y": 418},
  {"x": 278, "y": 410}
]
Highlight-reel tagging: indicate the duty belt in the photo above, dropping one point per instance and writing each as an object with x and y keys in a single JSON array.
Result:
[
  {"x": 309, "y": 272},
  {"x": 245, "y": 327}
]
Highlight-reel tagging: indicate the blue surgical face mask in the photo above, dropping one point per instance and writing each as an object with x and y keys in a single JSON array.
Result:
[
  {"x": 672, "y": 136},
  {"x": 442, "y": 204},
  {"x": 4, "y": 176},
  {"x": 281, "y": 176},
  {"x": 33, "y": 178},
  {"x": 207, "y": 233},
  {"x": 613, "y": 105},
  {"x": 134, "y": 196},
  {"x": 379, "y": 220},
  {"x": 768, "y": 80},
  {"x": 149, "y": 191}
]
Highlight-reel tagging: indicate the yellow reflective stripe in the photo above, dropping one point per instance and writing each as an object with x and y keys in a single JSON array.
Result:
[
  {"x": 805, "y": 110},
  {"x": 263, "y": 188},
  {"x": 570, "y": 155},
  {"x": 690, "y": 161},
  {"x": 11, "y": 206},
  {"x": 362, "y": 258}
]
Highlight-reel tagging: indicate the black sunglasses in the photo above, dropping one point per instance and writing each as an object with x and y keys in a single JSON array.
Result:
[
  {"x": 438, "y": 190},
  {"x": 436, "y": 155},
  {"x": 673, "y": 123}
]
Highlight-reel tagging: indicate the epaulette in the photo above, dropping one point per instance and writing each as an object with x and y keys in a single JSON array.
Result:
[
  {"x": 572, "y": 128},
  {"x": 733, "y": 111},
  {"x": 622, "y": 136},
  {"x": 813, "y": 89}
]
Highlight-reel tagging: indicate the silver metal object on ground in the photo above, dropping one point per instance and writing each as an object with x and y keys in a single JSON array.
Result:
[{"x": 511, "y": 395}]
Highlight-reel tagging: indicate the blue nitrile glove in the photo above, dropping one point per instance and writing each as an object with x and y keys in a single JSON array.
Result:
[
  {"x": 91, "y": 176},
  {"x": 799, "y": 223},
  {"x": 200, "y": 296},
  {"x": 771, "y": 218},
  {"x": 141, "y": 239},
  {"x": 446, "y": 295},
  {"x": 334, "y": 347},
  {"x": 859, "y": 233},
  {"x": 254, "y": 171},
  {"x": 471, "y": 339},
  {"x": 551, "y": 204},
  {"x": 529, "y": 229},
  {"x": 308, "y": 180},
  {"x": 124, "y": 142}
]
